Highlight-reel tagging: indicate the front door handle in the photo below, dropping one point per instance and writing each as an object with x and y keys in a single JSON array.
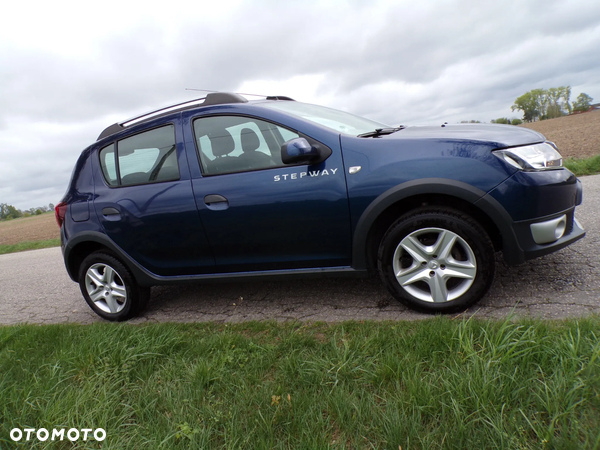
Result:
[{"x": 216, "y": 202}]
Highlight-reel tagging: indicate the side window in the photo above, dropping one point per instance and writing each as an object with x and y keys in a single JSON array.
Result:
[
  {"x": 148, "y": 157},
  {"x": 287, "y": 134},
  {"x": 228, "y": 144},
  {"x": 107, "y": 162}
]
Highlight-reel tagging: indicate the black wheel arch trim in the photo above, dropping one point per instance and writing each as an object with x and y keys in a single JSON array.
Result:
[
  {"x": 513, "y": 253},
  {"x": 142, "y": 276}
]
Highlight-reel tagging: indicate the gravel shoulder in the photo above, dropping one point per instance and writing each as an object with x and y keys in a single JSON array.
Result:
[{"x": 35, "y": 288}]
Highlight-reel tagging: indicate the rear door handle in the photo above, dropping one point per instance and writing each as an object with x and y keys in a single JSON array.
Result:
[
  {"x": 216, "y": 202},
  {"x": 111, "y": 214},
  {"x": 110, "y": 211}
]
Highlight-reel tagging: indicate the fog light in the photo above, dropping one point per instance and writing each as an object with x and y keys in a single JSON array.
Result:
[{"x": 549, "y": 231}]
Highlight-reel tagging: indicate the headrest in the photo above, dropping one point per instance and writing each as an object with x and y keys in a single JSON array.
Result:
[
  {"x": 250, "y": 141},
  {"x": 222, "y": 143}
]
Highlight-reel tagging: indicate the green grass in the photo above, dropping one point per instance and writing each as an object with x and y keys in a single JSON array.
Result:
[
  {"x": 579, "y": 167},
  {"x": 434, "y": 384},
  {"x": 28, "y": 245}
]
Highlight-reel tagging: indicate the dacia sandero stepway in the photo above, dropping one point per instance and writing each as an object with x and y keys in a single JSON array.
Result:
[{"x": 222, "y": 188}]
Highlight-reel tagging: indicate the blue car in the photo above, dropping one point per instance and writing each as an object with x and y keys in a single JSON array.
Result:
[{"x": 222, "y": 188}]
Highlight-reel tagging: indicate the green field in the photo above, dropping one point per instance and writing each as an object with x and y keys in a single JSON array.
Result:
[
  {"x": 434, "y": 384},
  {"x": 28, "y": 245},
  {"x": 581, "y": 167}
]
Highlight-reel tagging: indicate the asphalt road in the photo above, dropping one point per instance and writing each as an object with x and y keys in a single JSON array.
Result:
[{"x": 35, "y": 288}]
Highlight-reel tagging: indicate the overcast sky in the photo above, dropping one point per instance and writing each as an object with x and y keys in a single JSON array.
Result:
[{"x": 69, "y": 69}]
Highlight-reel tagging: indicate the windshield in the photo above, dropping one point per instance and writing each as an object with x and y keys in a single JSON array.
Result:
[{"x": 340, "y": 121}]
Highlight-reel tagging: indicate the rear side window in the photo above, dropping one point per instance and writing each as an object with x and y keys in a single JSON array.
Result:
[
  {"x": 148, "y": 157},
  {"x": 107, "y": 162}
]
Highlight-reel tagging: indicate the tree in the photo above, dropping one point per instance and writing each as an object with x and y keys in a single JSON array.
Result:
[
  {"x": 516, "y": 122},
  {"x": 532, "y": 105},
  {"x": 552, "y": 112},
  {"x": 541, "y": 104},
  {"x": 9, "y": 212},
  {"x": 566, "y": 95},
  {"x": 540, "y": 96},
  {"x": 553, "y": 106},
  {"x": 502, "y": 120},
  {"x": 583, "y": 102}
]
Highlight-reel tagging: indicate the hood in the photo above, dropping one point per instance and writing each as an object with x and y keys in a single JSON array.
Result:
[{"x": 498, "y": 136}]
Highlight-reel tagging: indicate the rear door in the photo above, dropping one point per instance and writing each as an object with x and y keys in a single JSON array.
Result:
[
  {"x": 260, "y": 214},
  {"x": 145, "y": 203}
]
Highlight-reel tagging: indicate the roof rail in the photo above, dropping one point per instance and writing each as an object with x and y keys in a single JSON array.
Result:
[
  {"x": 280, "y": 97},
  {"x": 214, "y": 98}
]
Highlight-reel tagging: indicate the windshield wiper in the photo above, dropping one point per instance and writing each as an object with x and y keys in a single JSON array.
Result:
[{"x": 381, "y": 131}]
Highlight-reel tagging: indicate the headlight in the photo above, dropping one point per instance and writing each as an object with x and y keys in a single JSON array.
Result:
[{"x": 532, "y": 157}]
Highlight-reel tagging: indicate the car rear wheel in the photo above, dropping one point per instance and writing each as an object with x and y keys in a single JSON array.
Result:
[
  {"x": 436, "y": 259},
  {"x": 109, "y": 288}
]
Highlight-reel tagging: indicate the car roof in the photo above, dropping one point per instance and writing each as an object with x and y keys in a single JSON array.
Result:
[{"x": 214, "y": 98}]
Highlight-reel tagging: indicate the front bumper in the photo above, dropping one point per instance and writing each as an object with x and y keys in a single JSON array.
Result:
[
  {"x": 539, "y": 205},
  {"x": 526, "y": 236}
]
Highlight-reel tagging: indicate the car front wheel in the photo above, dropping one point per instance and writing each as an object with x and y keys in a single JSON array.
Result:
[
  {"x": 109, "y": 288},
  {"x": 436, "y": 259}
]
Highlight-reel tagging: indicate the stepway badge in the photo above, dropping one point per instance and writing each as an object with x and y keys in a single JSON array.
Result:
[{"x": 309, "y": 174}]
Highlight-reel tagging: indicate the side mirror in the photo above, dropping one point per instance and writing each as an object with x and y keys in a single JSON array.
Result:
[{"x": 299, "y": 150}]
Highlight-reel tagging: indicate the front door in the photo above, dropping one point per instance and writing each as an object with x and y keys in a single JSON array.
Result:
[{"x": 260, "y": 214}]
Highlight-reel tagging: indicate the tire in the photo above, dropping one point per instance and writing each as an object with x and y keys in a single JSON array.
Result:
[
  {"x": 436, "y": 260},
  {"x": 110, "y": 289}
]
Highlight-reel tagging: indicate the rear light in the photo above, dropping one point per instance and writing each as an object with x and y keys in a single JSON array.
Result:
[{"x": 59, "y": 211}]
